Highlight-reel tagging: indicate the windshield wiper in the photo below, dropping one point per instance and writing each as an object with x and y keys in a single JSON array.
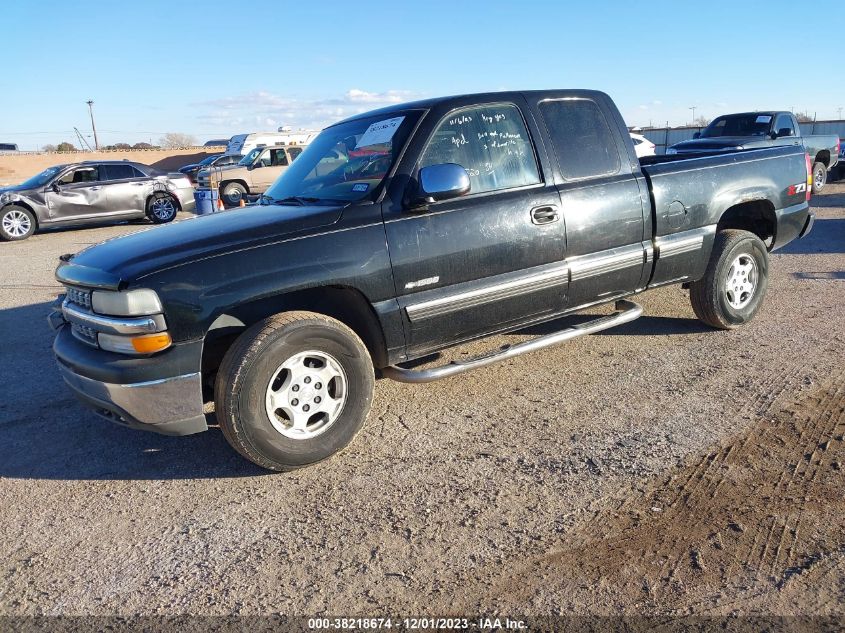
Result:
[{"x": 298, "y": 200}]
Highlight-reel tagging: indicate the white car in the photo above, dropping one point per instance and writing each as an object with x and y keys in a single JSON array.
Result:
[{"x": 642, "y": 146}]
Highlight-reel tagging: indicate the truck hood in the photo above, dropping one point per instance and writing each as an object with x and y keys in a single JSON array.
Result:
[
  {"x": 715, "y": 144},
  {"x": 140, "y": 254},
  {"x": 216, "y": 169}
]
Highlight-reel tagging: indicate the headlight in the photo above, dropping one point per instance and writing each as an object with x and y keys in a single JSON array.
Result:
[
  {"x": 8, "y": 196},
  {"x": 139, "y": 302},
  {"x": 671, "y": 150}
]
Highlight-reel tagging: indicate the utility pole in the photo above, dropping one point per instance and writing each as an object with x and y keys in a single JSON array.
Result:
[
  {"x": 93, "y": 127},
  {"x": 693, "y": 113},
  {"x": 840, "y": 112}
]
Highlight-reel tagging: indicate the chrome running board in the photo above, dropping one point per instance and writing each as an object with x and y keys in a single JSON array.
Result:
[{"x": 627, "y": 311}]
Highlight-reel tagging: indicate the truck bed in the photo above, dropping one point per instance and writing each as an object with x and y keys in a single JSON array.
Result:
[{"x": 690, "y": 194}]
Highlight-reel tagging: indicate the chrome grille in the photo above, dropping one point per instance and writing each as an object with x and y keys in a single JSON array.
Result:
[
  {"x": 79, "y": 297},
  {"x": 84, "y": 333}
]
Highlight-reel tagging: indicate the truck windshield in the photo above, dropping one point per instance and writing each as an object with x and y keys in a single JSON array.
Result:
[
  {"x": 346, "y": 162},
  {"x": 246, "y": 161},
  {"x": 210, "y": 159},
  {"x": 754, "y": 124},
  {"x": 43, "y": 178}
]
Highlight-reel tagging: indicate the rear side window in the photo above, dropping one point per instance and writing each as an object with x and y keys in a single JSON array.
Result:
[
  {"x": 581, "y": 137},
  {"x": 119, "y": 172},
  {"x": 491, "y": 142}
]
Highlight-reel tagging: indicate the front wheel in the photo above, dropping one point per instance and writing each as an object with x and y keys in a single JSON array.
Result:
[
  {"x": 233, "y": 193},
  {"x": 819, "y": 177},
  {"x": 161, "y": 208},
  {"x": 16, "y": 223},
  {"x": 732, "y": 289},
  {"x": 293, "y": 390}
]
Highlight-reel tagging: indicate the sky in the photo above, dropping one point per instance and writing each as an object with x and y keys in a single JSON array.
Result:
[{"x": 216, "y": 68}]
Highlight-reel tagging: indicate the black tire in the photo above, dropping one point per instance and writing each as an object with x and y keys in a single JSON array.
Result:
[
  {"x": 819, "y": 177},
  {"x": 16, "y": 223},
  {"x": 232, "y": 193},
  {"x": 162, "y": 208},
  {"x": 711, "y": 297},
  {"x": 252, "y": 366}
]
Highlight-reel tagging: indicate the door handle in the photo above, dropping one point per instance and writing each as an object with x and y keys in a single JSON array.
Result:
[
  {"x": 94, "y": 188},
  {"x": 544, "y": 215}
]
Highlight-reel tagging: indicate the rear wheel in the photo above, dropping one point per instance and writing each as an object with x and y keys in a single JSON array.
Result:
[
  {"x": 293, "y": 390},
  {"x": 233, "y": 193},
  {"x": 819, "y": 177},
  {"x": 732, "y": 289},
  {"x": 162, "y": 208},
  {"x": 16, "y": 223}
]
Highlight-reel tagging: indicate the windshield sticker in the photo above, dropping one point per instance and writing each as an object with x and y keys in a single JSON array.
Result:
[
  {"x": 763, "y": 118},
  {"x": 360, "y": 187},
  {"x": 380, "y": 132}
]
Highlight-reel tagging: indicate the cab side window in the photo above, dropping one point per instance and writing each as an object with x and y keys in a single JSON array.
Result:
[
  {"x": 491, "y": 142},
  {"x": 89, "y": 173},
  {"x": 784, "y": 123},
  {"x": 293, "y": 152},
  {"x": 581, "y": 137},
  {"x": 264, "y": 159}
]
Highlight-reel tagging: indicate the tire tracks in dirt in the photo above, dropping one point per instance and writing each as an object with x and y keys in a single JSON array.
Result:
[{"x": 722, "y": 532}]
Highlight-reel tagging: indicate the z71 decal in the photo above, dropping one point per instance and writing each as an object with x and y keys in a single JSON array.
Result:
[{"x": 794, "y": 190}]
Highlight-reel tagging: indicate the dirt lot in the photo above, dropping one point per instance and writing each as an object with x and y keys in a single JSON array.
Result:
[{"x": 660, "y": 468}]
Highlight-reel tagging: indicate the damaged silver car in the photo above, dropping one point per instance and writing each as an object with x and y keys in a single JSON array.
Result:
[{"x": 92, "y": 192}]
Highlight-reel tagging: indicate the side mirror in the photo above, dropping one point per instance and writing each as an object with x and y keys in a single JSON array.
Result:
[
  {"x": 697, "y": 135},
  {"x": 443, "y": 182},
  {"x": 784, "y": 131},
  {"x": 55, "y": 187},
  {"x": 256, "y": 165}
]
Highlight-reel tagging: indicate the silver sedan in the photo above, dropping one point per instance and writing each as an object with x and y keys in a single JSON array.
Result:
[{"x": 92, "y": 192}]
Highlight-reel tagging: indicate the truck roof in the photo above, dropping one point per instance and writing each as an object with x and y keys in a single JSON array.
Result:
[
  {"x": 461, "y": 99},
  {"x": 764, "y": 112}
]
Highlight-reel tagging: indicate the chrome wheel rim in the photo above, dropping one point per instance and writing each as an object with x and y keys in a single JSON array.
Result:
[
  {"x": 306, "y": 395},
  {"x": 16, "y": 223},
  {"x": 820, "y": 175},
  {"x": 741, "y": 281},
  {"x": 234, "y": 195},
  {"x": 163, "y": 208}
]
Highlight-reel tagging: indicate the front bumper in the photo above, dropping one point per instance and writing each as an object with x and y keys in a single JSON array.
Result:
[{"x": 158, "y": 393}]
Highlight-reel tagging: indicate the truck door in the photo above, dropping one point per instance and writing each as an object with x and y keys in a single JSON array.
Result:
[
  {"x": 77, "y": 194},
  {"x": 491, "y": 259},
  {"x": 273, "y": 161},
  {"x": 600, "y": 199}
]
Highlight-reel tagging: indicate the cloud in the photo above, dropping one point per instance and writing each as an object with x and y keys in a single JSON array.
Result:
[
  {"x": 262, "y": 110},
  {"x": 391, "y": 96}
]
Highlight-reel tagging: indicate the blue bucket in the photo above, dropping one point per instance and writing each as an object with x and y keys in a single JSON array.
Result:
[{"x": 206, "y": 200}]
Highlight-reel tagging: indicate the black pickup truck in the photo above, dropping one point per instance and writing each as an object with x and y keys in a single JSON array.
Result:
[
  {"x": 402, "y": 232},
  {"x": 754, "y": 130}
]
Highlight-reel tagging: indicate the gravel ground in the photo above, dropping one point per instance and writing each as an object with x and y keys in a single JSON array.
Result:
[{"x": 659, "y": 468}]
